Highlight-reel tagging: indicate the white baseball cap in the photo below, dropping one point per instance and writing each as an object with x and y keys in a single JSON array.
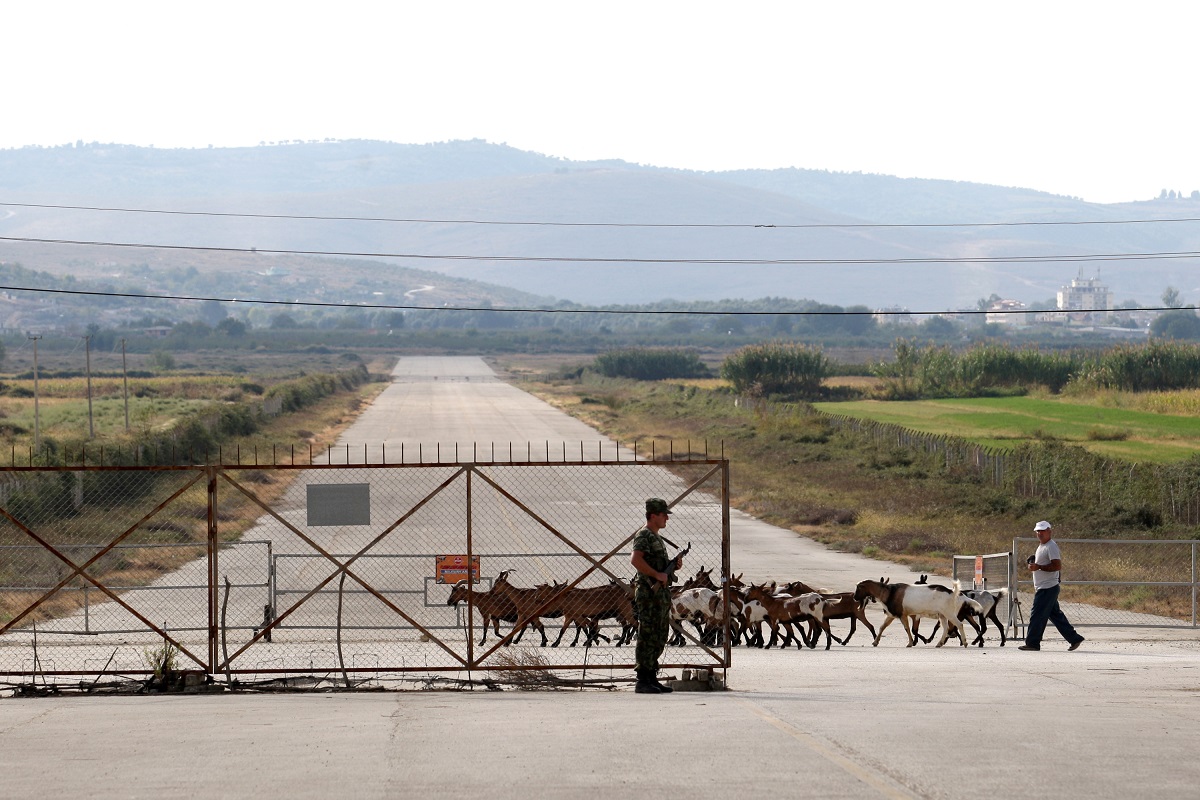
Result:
[{"x": 1042, "y": 526}]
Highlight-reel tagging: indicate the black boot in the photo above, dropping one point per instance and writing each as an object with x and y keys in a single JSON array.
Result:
[
  {"x": 661, "y": 686},
  {"x": 646, "y": 683}
]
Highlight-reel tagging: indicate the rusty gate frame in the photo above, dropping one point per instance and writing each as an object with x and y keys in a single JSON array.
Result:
[{"x": 214, "y": 664}]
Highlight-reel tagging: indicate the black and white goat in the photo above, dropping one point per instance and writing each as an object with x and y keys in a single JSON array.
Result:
[{"x": 903, "y": 601}]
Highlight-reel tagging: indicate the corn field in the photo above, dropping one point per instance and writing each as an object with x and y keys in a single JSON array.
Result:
[{"x": 941, "y": 371}]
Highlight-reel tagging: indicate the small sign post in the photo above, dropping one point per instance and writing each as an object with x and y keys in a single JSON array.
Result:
[{"x": 452, "y": 569}]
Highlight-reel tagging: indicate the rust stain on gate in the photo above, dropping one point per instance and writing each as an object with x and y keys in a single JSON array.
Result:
[{"x": 222, "y": 563}]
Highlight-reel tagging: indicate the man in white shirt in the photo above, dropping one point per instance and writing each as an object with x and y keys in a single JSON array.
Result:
[{"x": 1046, "y": 565}]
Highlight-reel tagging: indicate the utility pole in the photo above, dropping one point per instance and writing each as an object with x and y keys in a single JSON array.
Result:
[
  {"x": 37, "y": 428},
  {"x": 125, "y": 377},
  {"x": 87, "y": 348}
]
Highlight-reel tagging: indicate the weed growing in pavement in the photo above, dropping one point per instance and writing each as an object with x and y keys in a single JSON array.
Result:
[{"x": 163, "y": 659}]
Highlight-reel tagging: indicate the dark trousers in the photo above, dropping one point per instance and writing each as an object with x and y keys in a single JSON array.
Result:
[
  {"x": 654, "y": 622},
  {"x": 1045, "y": 609}
]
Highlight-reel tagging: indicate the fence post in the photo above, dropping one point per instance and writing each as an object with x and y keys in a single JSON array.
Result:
[
  {"x": 1012, "y": 591},
  {"x": 213, "y": 569},
  {"x": 470, "y": 555}
]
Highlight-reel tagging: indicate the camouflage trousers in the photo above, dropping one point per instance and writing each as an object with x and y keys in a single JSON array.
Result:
[{"x": 654, "y": 623}]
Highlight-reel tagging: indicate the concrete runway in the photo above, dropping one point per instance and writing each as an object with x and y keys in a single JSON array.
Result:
[{"x": 1119, "y": 716}]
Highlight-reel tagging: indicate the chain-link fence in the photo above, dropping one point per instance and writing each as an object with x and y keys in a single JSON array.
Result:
[
  {"x": 340, "y": 568},
  {"x": 1118, "y": 582}
]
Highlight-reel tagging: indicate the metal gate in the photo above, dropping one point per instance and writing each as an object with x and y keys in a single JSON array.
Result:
[
  {"x": 1137, "y": 583},
  {"x": 341, "y": 568}
]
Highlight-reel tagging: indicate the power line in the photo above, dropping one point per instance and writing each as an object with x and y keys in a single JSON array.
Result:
[
  {"x": 1069, "y": 258},
  {"x": 606, "y": 311},
  {"x": 540, "y": 223}
]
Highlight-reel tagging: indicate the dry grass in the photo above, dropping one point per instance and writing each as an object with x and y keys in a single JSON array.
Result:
[
  {"x": 527, "y": 670},
  {"x": 701, "y": 383},
  {"x": 864, "y": 383}
]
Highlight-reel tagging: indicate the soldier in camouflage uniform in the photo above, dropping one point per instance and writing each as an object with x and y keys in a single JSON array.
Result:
[{"x": 651, "y": 596}]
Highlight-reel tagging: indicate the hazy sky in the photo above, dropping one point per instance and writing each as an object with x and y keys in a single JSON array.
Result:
[{"x": 1089, "y": 99}]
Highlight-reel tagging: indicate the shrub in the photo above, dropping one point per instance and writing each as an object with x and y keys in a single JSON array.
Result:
[
  {"x": 162, "y": 361},
  {"x": 777, "y": 368},
  {"x": 983, "y": 370},
  {"x": 646, "y": 364},
  {"x": 1107, "y": 435}
]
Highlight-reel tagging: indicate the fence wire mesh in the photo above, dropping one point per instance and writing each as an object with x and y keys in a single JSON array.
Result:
[
  {"x": 1114, "y": 582},
  {"x": 340, "y": 568}
]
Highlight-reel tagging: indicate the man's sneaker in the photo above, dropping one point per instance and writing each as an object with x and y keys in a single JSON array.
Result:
[
  {"x": 1033, "y": 649},
  {"x": 1076, "y": 644}
]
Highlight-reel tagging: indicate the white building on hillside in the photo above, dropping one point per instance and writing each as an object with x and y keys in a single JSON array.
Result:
[{"x": 1086, "y": 295}]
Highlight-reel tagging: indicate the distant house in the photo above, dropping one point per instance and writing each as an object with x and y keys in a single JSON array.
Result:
[
  {"x": 1087, "y": 299},
  {"x": 896, "y": 315},
  {"x": 1003, "y": 312},
  {"x": 157, "y": 332}
]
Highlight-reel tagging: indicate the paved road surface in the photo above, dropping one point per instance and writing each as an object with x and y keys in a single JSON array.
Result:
[{"x": 1119, "y": 717}]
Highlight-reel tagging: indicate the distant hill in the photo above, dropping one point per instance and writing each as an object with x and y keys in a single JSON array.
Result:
[{"x": 484, "y": 183}]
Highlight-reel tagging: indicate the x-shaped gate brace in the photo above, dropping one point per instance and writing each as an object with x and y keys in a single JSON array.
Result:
[
  {"x": 341, "y": 569},
  {"x": 597, "y": 564},
  {"x": 79, "y": 569}
]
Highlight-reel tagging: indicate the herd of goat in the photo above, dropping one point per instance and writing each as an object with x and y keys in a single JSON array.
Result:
[{"x": 794, "y": 612}]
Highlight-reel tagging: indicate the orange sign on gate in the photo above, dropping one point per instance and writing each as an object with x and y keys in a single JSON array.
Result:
[
  {"x": 979, "y": 571},
  {"x": 452, "y": 569}
]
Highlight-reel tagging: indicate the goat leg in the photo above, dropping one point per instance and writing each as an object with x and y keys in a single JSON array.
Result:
[
  {"x": 995, "y": 619},
  {"x": 866, "y": 622},
  {"x": 882, "y": 628},
  {"x": 924, "y": 639},
  {"x": 774, "y": 633},
  {"x": 814, "y": 634},
  {"x": 978, "y": 640}
]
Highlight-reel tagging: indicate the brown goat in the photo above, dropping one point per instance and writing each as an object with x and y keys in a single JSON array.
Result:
[
  {"x": 786, "y": 610},
  {"x": 587, "y": 606},
  {"x": 531, "y": 604},
  {"x": 491, "y": 607},
  {"x": 838, "y": 605},
  {"x": 842, "y": 605},
  {"x": 701, "y": 580}
]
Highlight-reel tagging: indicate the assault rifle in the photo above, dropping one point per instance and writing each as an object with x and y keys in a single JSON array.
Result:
[{"x": 670, "y": 570}]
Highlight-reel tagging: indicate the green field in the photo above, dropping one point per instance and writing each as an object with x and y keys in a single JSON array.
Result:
[{"x": 1005, "y": 422}]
